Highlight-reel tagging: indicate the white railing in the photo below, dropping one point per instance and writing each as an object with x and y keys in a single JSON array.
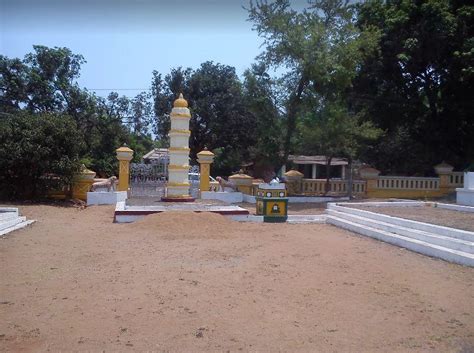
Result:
[
  {"x": 408, "y": 183},
  {"x": 456, "y": 179},
  {"x": 318, "y": 186}
]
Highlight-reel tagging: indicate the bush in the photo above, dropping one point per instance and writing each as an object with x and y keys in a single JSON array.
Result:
[{"x": 37, "y": 152}]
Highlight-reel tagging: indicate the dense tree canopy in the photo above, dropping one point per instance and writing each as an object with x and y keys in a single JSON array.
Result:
[
  {"x": 45, "y": 82},
  {"x": 419, "y": 86},
  {"x": 404, "y": 66},
  {"x": 319, "y": 47},
  {"x": 34, "y": 148},
  {"x": 262, "y": 103}
]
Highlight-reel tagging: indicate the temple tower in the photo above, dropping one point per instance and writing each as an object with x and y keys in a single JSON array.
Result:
[{"x": 177, "y": 188}]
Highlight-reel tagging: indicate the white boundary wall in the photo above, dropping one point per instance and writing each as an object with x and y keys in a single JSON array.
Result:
[
  {"x": 105, "y": 197},
  {"x": 229, "y": 197}
]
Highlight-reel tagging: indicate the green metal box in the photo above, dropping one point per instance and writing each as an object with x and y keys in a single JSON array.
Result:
[{"x": 272, "y": 203}]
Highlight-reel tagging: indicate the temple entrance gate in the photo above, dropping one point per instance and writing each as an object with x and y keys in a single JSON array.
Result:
[
  {"x": 148, "y": 179},
  {"x": 194, "y": 179}
]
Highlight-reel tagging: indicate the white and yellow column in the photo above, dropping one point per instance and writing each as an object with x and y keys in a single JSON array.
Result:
[
  {"x": 124, "y": 155},
  {"x": 177, "y": 188},
  {"x": 205, "y": 158}
]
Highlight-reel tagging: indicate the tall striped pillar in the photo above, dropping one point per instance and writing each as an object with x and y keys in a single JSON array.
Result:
[{"x": 177, "y": 189}]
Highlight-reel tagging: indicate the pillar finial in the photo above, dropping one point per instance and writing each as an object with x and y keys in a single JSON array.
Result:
[{"x": 180, "y": 102}]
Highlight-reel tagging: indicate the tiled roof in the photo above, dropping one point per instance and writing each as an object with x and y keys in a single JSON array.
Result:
[
  {"x": 157, "y": 153},
  {"x": 316, "y": 160}
]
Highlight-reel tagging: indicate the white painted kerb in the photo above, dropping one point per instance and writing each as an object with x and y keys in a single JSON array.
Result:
[
  {"x": 105, "y": 198},
  {"x": 229, "y": 197},
  {"x": 465, "y": 195}
]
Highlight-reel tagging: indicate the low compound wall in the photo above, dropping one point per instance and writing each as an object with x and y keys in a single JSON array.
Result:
[
  {"x": 105, "y": 198},
  {"x": 229, "y": 197}
]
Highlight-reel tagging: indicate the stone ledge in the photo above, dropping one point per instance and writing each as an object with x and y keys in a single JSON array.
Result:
[
  {"x": 105, "y": 197},
  {"x": 229, "y": 197}
]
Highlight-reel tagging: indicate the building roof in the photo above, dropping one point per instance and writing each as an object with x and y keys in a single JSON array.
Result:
[
  {"x": 316, "y": 160},
  {"x": 157, "y": 154}
]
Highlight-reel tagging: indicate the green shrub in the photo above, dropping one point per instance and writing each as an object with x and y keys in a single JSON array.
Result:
[{"x": 38, "y": 152}]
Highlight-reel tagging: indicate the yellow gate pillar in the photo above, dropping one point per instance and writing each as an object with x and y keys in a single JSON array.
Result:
[
  {"x": 293, "y": 182},
  {"x": 82, "y": 183},
  {"x": 243, "y": 182},
  {"x": 124, "y": 155},
  {"x": 205, "y": 158},
  {"x": 371, "y": 176},
  {"x": 444, "y": 171}
]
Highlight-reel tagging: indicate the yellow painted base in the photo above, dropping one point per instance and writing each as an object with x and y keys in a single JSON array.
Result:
[
  {"x": 80, "y": 188},
  {"x": 58, "y": 195},
  {"x": 245, "y": 189},
  {"x": 276, "y": 208},
  {"x": 403, "y": 194}
]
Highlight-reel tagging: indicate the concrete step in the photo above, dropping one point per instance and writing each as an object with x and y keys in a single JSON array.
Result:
[
  {"x": 441, "y": 240},
  {"x": 4, "y": 215},
  {"x": 15, "y": 227},
  {"x": 4, "y": 224},
  {"x": 426, "y": 227},
  {"x": 296, "y": 219},
  {"x": 416, "y": 245}
]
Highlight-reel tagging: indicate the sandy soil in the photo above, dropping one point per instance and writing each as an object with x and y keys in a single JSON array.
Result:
[
  {"x": 293, "y": 208},
  {"x": 201, "y": 283},
  {"x": 440, "y": 216}
]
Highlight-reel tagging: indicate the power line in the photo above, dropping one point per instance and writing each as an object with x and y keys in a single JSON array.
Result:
[{"x": 119, "y": 89}]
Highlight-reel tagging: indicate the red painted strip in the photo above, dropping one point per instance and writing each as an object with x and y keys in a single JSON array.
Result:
[
  {"x": 144, "y": 213},
  {"x": 170, "y": 199}
]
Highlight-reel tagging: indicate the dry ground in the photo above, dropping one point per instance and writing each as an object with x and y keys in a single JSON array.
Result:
[
  {"x": 173, "y": 283},
  {"x": 434, "y": 215},
  {"x": 293, "y": 208}
]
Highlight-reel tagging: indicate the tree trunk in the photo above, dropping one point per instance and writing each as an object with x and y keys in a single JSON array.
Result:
[
  {"x": 291, "y": 116},
  {"x": 350, "y": 181},
  {"x": 327, "y": 186}
]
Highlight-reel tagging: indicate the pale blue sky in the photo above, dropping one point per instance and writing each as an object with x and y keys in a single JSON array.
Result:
[{"x": 123, "y": 41}]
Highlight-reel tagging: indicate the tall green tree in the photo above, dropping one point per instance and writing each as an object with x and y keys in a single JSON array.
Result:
[
  {"x": 38, "y": 151},
  {"x": 320, "y": 48},
  {"x": 419, "y": 85},
  {"x": 42, "y": 81},
  {"x": 259, "y": 91},
  {"x": 45, "y": 81},
  {"x": 165, "y": 91},
  {"x": 334, "y": 132}
]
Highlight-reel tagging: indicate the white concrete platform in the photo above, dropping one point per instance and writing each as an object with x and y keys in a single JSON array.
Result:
[
  {"x": 229, "y": 197},
  {"x": 292, "y": 219},
  {"x": 465, "y": 195},
  {"x": 247, "y": 218},
  {"x": 11, "y": 220},
  {"x": 452, "y": 207},
  {"x": 295, "y": 219},
  {"x": 249, "y": 199},
  {"x": 450, "y": 244},
  {"x": 105, "y": 197},
  {"x": 128, "y": 214}
]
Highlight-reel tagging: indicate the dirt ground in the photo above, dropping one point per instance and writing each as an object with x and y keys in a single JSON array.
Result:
[
  {"x": 74, "y": 281},
  {"x": 440, "y": 216},
  {"x": 293, "y": 208}
]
